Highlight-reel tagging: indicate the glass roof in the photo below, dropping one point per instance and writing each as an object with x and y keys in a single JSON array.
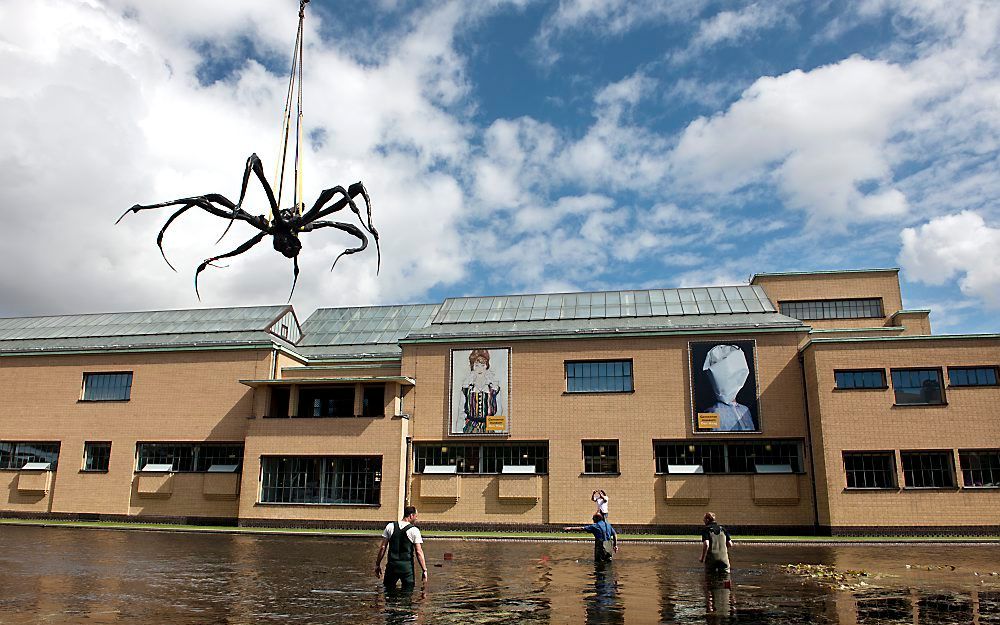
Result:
[
  {"x": 366, "y": 324},
  {"x": 245, "y": 319},
  {"x": 606, "y": 304}
]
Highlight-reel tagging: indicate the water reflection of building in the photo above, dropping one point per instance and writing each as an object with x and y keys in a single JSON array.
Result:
[{"x": 845, "y": 414}]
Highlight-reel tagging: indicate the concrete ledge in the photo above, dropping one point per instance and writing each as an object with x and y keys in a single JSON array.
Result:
[
  {"x": 440, "y": 487},
  {"x": 34, "y": 481},
  {"x": 519, "y": 488},
  {"x": 687, "y": 490},
  {"x": 221, "y": 485},
  {"x": 776, "y": 489},
  {"x": 155, "y": 484}
]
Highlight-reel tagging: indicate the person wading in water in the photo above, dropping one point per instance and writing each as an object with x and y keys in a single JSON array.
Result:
[{"x": 401, "y": 539}]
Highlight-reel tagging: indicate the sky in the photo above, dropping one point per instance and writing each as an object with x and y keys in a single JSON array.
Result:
[{"x": 509, "y": 146}]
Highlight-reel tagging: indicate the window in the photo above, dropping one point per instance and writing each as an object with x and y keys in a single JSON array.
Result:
[
  {"x": 14, "y": 455},
  {"x": 107, "y": 386},
  {"x": 280, "y": 396},
  {"x": 728, "y": 456},
  {"x": 917, "y": 386},
  {"x": 321, "y": 480},
  {"x": 606, "y": 376},
  {"x": 927, "y": 469},
  {"x": 710, "y": 456},
  {"x": 495, "y": 457},
  {"x": 833, "y": 308},
  {"x": 600, "y": 457},
  {"x": 96, "y": 456},
  {"x": 373, "y": 401},
  {"x": 870, "y": 469},
  {"x": 284, "y": 330},
  {"x": 981, "y": 468},
  {"x": 331, "y": 401},
  {"x": 484, "y": 458},
  {"x": 465, "y": 457},
  {"x": 189, "y": 457},
  {"x": 861, "y": 378},
  {"x": 972, "y": 376}
]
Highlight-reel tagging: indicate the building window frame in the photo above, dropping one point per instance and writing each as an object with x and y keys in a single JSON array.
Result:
[
  {"x": 321, "y": 481},
  {"x": 834, "y": 309},
  {"x": 599, "y": 376},
  {"x": 106, "y": 386},
  {"x": 944, "y": 474},
  {"x": 378, "y": 410},
  {"x": 188, "y": 457},
  {"x": 870, "y": 473},
  {"x": 721, "y": 457},
  {"x": 13, "y": 457},
  {"x": 986, "y": 369},
  {"x": 600, "y": 457},
  {"x": 342, "y": 409},
  {"x": 481, "y": 458},
  {"x": 989, "y": 475},
  {"x": 859, "y": 380},
  {"x": 898, "y": 389},
  {"x": 96, "y": 456}
]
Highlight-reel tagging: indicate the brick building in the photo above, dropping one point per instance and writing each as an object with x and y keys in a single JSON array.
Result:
[{"x": 803, "y": 402}]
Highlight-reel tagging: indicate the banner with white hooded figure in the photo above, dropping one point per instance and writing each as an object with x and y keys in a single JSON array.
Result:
[{"x": 724, "y": 386}]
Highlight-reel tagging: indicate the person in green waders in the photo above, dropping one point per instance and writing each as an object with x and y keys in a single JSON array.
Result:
[{"x": 401, "y": 539}]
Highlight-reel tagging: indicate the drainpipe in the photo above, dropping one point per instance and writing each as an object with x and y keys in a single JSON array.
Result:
[
  {"x": 406, "y": 475},
  {"x": 812, "y": 462}
]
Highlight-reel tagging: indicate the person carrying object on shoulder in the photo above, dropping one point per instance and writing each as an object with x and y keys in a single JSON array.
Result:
[
  {"x": 401, "y": 540},
  {"x": 600, "y": 498},
  {"x": 605, "y": 537},
  {"x": 715, "y": 545}
]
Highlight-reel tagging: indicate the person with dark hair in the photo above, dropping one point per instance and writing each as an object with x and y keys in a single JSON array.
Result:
[
  {"x": 715, "y": 545},
  {"x": 480, "y": 393},
  {"x": 605, "y": 537},
  {"x": 401, "y": 539}
]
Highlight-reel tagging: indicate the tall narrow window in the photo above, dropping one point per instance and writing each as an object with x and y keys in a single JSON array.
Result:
[
  {"x": 917, "y": 387},
  {"x": 96, "y": 456},
  {"x": 870, "y": 469},
  {"x": 928, "y": 469},
  {"x": 107, "y": 386},
  {"x": 605, "y": 376},
  {"x": 600, "y": 457},
  {"x": 373, "y": 400}
]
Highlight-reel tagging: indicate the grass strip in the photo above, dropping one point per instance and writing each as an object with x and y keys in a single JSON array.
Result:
[{"x": 487, "y": 535}]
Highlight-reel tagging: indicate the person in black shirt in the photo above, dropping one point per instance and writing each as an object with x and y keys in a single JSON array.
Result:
[{"x": 715, "y": 545}]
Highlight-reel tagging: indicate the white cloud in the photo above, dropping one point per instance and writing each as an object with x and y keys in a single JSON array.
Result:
[
  {"x": 955, "y": 245},
  {"x": 101, "y": 107},
  {"x": 819, "y": 135},
  {"x": 727, "y": 27}
]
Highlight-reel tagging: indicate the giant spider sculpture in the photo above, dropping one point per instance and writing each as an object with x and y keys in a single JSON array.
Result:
[{"x": 285, "y": 225}]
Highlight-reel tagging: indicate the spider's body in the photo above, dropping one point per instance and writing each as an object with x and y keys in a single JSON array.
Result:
[{"x": 285, "y": 224}]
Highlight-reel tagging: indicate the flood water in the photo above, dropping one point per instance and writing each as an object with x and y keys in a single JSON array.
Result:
[{"x": 55, "y": 575}]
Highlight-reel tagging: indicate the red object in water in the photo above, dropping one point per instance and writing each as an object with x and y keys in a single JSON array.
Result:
[
  {"x": 544, "y": 558},
  {"x": 448, "y": 556}
]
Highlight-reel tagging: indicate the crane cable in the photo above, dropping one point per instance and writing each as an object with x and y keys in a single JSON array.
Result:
[{"x": 295, "y": 76}]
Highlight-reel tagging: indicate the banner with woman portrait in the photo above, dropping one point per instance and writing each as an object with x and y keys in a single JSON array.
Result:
[
  {"x": 724, "y": 395},
  {"x": 480, "y": 391}
]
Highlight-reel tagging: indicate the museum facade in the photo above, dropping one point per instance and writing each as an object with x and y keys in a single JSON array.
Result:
[{"x": 800, "y": 403}]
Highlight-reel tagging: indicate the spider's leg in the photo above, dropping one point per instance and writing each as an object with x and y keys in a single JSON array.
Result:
[
  {"x": 246, "y": 246},
  {"x": 253, "y": 165},
  {"x": 348, "y": 228},
  {"x": 295, "y": 278},
  {"x": 359, "y": 189},
  {"x": 159, "y": 237},
  {"x": 202, "y": 201},
  {"x": 325, "y": 196}
]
